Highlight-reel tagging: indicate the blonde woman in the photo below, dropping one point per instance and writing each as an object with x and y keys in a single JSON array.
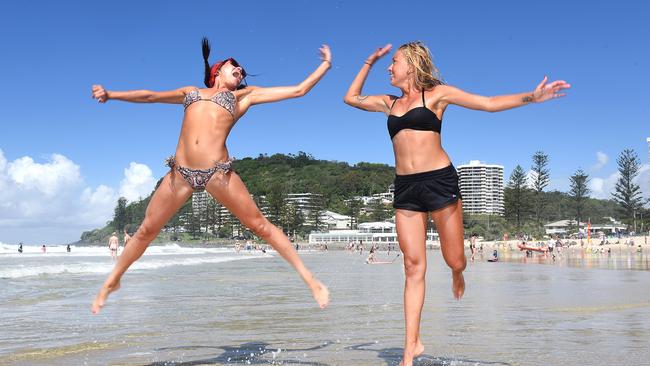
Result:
[
  {"x": 426, "y": 183},
  {"x": 202, "y": 162}
]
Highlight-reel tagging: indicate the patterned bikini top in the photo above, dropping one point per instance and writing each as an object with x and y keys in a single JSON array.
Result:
[{"x": 224, "y": 98}]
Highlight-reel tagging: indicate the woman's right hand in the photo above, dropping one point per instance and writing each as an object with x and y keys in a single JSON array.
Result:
[
  {"x": 325, "y": 53},
  {"x": 379, "y": 53},
  {"x": 100, "y": 94}
]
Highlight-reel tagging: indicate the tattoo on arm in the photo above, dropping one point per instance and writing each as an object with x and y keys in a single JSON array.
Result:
[
  {"x": 361, "y": 98},
  {"x": 527, "y": 99}
]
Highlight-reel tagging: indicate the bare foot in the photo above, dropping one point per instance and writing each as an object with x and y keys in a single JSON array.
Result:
[
  {"x": 100, "y": 299},
  {"x": 410, "y": 353},
  {"x": 458, "y": 286},
  {"x": 321, "y": 294}
]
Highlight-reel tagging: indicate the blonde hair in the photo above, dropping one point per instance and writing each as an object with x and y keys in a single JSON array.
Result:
[{"x": 418, "y": 56}]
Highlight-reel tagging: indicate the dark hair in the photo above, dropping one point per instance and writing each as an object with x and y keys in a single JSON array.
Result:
[
  {"x": 205, "y": 45},
  {"x": 212, "y": 71}
]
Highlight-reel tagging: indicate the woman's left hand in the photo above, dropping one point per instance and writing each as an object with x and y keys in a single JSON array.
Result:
[
  {"x": 544, "y": 91},
  {"x": 100, "y": 94},
  {"x": 325, "y": 53}
]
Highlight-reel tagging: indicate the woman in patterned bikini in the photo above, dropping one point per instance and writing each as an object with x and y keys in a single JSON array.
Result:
[
  {"x": 202, "y": 162},
  {"x": 426, "y": 184}
]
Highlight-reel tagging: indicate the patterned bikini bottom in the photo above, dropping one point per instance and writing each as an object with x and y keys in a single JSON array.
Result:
[{"x": 199, "y": 178}]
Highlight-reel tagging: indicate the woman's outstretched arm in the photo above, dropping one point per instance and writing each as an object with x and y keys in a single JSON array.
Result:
[
  {"x": 542, "y": 93},
  {"x": 141, "y": 96},
  {"x": 257, "y": 95},
  {"x": 372, "y": 103}
]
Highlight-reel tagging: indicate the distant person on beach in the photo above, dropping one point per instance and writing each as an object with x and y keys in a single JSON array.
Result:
[
  {"x": 426, "y": 183},
  {"x": 371, "y": 257},
  {"x": 68, "y": 249},
  {"x": 113, "y": 245},
  {"x": 20, "y": 248},
  {"x": 202, "y": 162},
  {"x": 127, "y": 237},
  {"x": 472, "y": 245},
  {"x": 43, "y": 249}
]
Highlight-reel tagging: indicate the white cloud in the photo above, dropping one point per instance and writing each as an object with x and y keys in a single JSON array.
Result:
[
  {"x": 531, "y": 176},
  {"x": 51, "y": 198},
  {"x": 604, "y": 187},
  {"x": 47, "y": 179},
  {"x": 602, "y": 159},
  {"x": 138, "y": 182},
  {"x": 643, "y": 180}
]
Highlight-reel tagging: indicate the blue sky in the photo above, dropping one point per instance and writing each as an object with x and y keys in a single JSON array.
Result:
[{"x": 59, "y": 146}]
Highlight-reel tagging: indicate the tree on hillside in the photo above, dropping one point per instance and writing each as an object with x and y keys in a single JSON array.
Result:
[
  {"x": 541, "y": 179},
  {"x": 179, "y": 219},
  {"x": 212, "y": 221},
  {"x": 318, "y": 206},
  {"x": 193, "y": 223},
  {"x": 294, "y": 219},
  {"x": 628, "y": 194},
  {"x": 276, "y": 199},
  {"x": 378, "y": 211},
  {"x": 579, "y": 193},
  {"x": 120, "y": 218},
  {"x": 353, "y": 206},
  {"x": 516, "y": 197}
]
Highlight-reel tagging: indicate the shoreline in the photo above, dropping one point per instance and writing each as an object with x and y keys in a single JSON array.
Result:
[{"x": 639, "y": 240}]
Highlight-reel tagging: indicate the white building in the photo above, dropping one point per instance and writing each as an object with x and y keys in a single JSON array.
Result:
[
  {"x": 335, "y": 221},
  {"x": 611, "y": 226},
  {"x": 202, "y": 202},
  {"x": 385, "y": 197},
  {"x": 369, "y": 232},
  {"x": 481, "y": 186},
  {"x": 563, "y": 227},
  {"x": 305, "y": 202}
]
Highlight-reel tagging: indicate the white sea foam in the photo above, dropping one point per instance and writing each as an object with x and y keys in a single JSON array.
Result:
[
  {"x": 96, "y": 260},
  {"x": 167, "y": 249}
]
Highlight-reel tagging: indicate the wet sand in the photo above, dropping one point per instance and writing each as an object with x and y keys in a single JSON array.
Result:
[{"x": 257, "y": 311}]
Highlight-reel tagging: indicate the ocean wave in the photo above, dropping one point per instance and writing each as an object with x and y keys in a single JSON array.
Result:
[
  {"x": 19, "y": 270},
  {"x": 54, "y": 250}
]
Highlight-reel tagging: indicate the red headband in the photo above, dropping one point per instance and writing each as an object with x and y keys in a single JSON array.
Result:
[{"x": 213, "y": 73}]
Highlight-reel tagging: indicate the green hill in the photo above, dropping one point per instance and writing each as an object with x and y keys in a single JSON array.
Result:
[{"x": 276, "y": 175}]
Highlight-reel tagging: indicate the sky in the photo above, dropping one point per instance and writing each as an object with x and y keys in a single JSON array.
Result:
[{"x": 64, "y": 159}]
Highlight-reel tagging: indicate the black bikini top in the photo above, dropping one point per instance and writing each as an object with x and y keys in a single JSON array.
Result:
[{"x": 418, "y": 118}]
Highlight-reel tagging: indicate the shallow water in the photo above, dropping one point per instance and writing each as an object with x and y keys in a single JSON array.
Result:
[{"x": 184, "y": 306}]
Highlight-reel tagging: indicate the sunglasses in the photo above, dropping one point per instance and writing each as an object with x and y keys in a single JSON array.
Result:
[{"x": 234, "y": 62}]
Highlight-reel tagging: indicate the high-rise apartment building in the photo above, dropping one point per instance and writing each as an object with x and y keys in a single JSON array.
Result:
[{"x": 481, "y": 186}]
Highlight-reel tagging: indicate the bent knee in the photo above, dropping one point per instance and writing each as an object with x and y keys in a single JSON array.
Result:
[
  {"x": 458, "y": 264},
  {"x": 261, "y": 227},
  {"x": 147, "y": 232}
]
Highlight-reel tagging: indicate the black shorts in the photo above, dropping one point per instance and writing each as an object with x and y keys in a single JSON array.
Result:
[{"x": 427, "y": 191}]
